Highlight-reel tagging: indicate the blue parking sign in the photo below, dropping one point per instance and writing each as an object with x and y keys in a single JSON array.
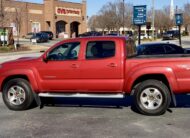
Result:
[
  {"x": 179, "y": 18},
  {"x": 139, "y": 15}
]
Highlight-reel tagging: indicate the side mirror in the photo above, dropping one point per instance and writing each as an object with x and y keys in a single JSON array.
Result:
[{"x": 45, "y": 58}]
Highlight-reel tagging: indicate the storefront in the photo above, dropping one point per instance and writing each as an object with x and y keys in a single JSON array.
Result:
[
  {"x": 6, "y": 36},
  {"x": 61, "y": 17}
]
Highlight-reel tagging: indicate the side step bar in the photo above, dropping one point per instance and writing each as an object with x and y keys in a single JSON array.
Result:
[{"x": 78, "y": 95}]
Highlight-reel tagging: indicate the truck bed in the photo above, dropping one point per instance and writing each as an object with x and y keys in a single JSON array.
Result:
[{"x": 163, "y": 56}]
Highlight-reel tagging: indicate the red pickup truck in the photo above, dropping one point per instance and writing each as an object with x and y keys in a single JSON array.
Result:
[{"x": 101, "y": 67}]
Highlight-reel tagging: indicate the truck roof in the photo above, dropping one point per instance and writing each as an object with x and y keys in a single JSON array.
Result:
[{"x": 100, "y": 37}]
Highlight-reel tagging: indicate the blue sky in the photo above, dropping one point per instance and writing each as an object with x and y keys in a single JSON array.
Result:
[{"x": 94, "y": 5}]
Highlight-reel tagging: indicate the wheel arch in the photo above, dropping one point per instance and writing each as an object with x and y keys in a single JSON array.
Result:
[
  {"x": 159, "y": 77},
  {"x": 26, "y": 75}
]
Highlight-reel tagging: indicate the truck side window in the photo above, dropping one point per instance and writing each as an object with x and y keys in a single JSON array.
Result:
[
  {"x": 67, "y": 51},
  {"x": 100, "y": 49}
]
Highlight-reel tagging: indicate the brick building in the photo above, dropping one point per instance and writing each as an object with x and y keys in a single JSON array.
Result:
[{"x": 52, "y": 15}]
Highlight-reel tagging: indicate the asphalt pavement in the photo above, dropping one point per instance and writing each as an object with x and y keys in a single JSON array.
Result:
[{"x": 93, "y": 118}]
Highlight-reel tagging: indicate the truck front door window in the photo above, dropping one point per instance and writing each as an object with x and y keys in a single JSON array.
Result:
[{"x": 67, "y": 51}]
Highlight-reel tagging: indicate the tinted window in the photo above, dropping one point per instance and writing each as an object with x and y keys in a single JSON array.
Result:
[
  {"x": 67, "y": 51},
  {"x": 100, "y": 49},
  {"x": 154, "y": 50},
  {"x": 141, "y": 50},
  {"x": 173, "y": 49}
]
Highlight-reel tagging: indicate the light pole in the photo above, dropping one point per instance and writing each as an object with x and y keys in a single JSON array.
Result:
[
  {"x": 123, "y": 17},
  {"x": 153, "y": 17}
]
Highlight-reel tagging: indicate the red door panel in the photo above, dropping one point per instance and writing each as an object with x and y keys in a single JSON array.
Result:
[
  {"x": 59, "y": 75},
  {"x": 102, "y": 72}
]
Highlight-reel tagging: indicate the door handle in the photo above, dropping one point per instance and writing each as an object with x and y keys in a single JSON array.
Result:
[
  {"x": 112, "y": 65},
  {"x": 74, "y": 66}
]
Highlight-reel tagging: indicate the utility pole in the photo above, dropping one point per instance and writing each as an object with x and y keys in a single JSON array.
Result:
[
  {"x": 176, "y": 9},
  {"x": 123, "y": 17},
  {"x": 153, "y": 17}
]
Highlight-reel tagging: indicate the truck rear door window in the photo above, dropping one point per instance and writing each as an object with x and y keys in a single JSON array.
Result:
[{"x": 100, "y": 49}]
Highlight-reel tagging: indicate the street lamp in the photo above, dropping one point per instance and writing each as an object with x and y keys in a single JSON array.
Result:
[{"x": 123, "y": 17}]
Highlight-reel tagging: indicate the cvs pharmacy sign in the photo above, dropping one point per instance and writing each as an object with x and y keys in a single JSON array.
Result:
[{"x": 68, "y": 11}]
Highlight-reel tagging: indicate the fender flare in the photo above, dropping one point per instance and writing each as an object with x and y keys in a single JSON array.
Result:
[{"x": 25, "y": 72}]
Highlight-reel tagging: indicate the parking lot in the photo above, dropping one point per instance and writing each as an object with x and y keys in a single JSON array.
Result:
[
  {"x": 185, "y": 42},
  {"x": 93, "y": 118},
  {"x": 48, "y": 44},
  {"x": 84, "y": 118}
]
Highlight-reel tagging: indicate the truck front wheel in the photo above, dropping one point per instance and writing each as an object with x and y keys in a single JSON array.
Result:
[
  {"x": 152, "y": 97},
  {"x": 17, "y": 94}
]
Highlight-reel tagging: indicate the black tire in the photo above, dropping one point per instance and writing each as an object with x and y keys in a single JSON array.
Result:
[
  {"x": 152, "y": 85},
  {"x": 29, "y": 98}
]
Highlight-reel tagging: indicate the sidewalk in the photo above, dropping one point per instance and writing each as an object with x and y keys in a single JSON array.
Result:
[
  {"x": 10, "y": 57},
  {"x": 34, "y": 49}
]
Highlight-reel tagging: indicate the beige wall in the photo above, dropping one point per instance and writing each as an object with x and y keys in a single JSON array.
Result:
[{"x": 52, "y": 17}]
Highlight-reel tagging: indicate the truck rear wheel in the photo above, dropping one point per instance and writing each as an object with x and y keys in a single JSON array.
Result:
[
  {"x": 152, "y": 97},
  {"x": 17, "y": 94}
]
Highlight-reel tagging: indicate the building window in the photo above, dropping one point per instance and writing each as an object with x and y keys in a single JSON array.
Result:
[{"x": 36, "y": 27}]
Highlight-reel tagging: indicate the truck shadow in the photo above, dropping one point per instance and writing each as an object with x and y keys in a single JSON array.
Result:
[{"x": 183, "y": 101}]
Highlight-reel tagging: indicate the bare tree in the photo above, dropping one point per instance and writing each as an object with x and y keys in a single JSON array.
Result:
[
  {"x": 3, "y": 17},
  {"x": 162, "y": 20},
  {"x": 186, "y": 16},
  {"x": 167, "y": 23},
  {"x": 110, "y": 16},
  {"x": 128, "y": 15},
  {"x": 18, "y": 15},
  {"x": 92, "y": 23},
  {"x": 106, "y": 17},
  {"x": 18, "y": 22}
]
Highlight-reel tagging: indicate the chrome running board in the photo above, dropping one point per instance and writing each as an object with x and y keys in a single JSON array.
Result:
[{"x": 79, "y": 95}]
